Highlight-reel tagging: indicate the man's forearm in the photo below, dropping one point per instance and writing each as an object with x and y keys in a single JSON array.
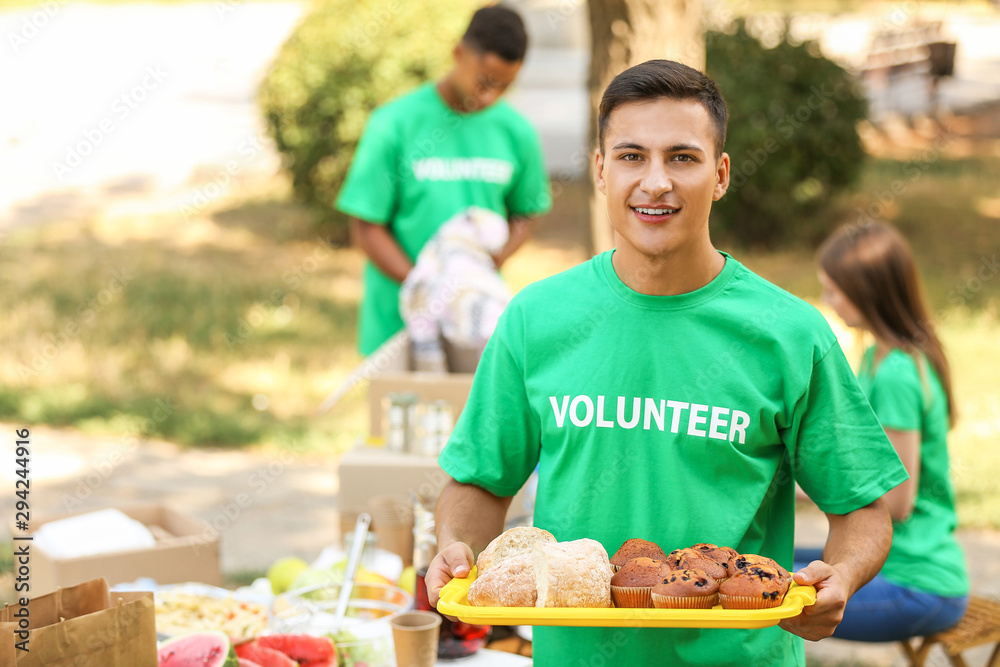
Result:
[
  {"x": 382, "y": 249},
  {"x": 469, "y": 514},
  {"x": 520, "y": 231},
  {"x": 858, "y": 543}
]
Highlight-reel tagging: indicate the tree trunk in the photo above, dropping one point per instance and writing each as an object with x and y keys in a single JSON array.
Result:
[{"x": 626, "y": 33}]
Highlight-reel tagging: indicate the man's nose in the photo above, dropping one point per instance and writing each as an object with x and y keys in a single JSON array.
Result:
[{"x": 657, "y": 179}]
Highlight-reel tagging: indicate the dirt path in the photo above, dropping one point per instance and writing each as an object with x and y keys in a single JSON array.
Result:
[{"x": 262, "y": 505}]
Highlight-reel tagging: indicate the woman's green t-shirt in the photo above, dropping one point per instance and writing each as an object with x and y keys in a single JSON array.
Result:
[{"x": 925, "y": 555}]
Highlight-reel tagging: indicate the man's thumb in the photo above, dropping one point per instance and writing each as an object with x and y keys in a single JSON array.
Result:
[
  {"x": 459, "y": 564},
  {"x": 808, "y": 575}
]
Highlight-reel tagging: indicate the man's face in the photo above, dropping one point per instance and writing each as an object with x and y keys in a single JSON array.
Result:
[
  {"x": 659, "y": 172},
  {"x": 481, "y": 78}
]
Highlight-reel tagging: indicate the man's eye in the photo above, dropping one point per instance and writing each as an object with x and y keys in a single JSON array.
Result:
[
  {"x": 631, "y": 157},
  {"x": 684, "y": 158}
]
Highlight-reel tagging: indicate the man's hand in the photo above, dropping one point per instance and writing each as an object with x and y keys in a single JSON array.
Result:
[
  {"x": 382, "y": 248},
  {"x": 832, "y": 592},
  {"x": 455, "y": 560}
]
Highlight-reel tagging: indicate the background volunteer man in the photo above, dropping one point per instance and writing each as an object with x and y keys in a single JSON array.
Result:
[
  {"x": 668, "y": 393},
  {"x": 436, "y": 151}
]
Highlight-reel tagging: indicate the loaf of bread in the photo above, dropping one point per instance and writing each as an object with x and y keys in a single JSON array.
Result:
[
  {"x": 572, "y": 574},
  {"x": 511, "y": 543},
  {"x": 510, "y": 583}
]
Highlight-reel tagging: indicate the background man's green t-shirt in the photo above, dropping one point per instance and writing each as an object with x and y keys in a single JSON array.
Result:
[
  {"x": 419, "y": 163},
  {"x": 677, "y": 419},
  {"x": 925, "y": 554}
]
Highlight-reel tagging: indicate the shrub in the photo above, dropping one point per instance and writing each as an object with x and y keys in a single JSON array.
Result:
[
  {"x": 792, "y": 139},
  {"x": 345, "y": 58}
]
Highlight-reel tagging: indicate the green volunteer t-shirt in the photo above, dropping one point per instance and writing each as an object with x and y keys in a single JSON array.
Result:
[
  {"x": 419, "y": 163},
  {"x": 677, "y": 419},
  {"x": 925, "y": 554}
]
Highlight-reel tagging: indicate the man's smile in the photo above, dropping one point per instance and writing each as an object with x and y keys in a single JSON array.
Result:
[{"x": 654, "y": 214}]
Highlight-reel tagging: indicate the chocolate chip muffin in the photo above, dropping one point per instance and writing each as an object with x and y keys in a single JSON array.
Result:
[
  {"x": 721, "y": 555},
  {"x": 754, "y": 587},
  {"x": 636, "y": 548},
  {"x": 744, "y": 561},
  {"x": 686, "y": 589},
  {"x": 692, "y": 559},
  {"x": 631, "y": 586}
]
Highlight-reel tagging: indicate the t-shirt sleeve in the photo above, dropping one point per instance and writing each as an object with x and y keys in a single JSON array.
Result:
[
  {"x": 841, "y": 456},
  {"x": 530, "y": 194},
  {"x": 372, "y": 185},
  {"x": 496, "y": 442},
  {"x": 897, "y": 395}
]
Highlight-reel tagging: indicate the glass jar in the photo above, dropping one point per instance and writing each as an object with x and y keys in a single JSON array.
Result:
[{"x": 399, "y": 421}]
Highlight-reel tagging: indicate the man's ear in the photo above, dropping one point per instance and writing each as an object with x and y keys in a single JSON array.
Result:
[
  {"x": 599, "y": 172},
  {"x": 721, "y": 177}
]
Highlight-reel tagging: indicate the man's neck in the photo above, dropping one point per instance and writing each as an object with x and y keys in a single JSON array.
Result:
[
  {"x": 449, "y": 94},
  {"x": 671, "y": 274}
]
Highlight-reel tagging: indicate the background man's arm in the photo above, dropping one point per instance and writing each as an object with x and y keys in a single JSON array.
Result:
[
  {"x": 521, "y": 229},
  {"x": 855, "y": 551},
  {"x": 382, "y": 248},
  {"x": 468, "y": 517}
]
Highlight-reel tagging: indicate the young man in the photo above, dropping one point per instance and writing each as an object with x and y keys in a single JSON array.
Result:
[
  {"x": 436, "y": 151},
  {"x": 667, "y": 393}
]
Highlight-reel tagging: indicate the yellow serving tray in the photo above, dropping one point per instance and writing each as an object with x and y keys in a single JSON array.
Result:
[{"x": 454, "y": 602}]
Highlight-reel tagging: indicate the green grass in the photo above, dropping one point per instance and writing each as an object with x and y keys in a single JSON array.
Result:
[
  {"x": 164, "y": 327},
  {"x": 950, "y": 216}
]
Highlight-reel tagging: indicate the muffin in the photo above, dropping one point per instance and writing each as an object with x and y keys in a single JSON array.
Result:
[
  {"x": 636, "y": 548},
  {"x": 686, "y": 589},
  {"x": 691, "y": 559},
  {"x": 721, "y": 555},
  {"x": 753, "y": 587},
  {"x": 632, "y": 585},
  {"x": 744, "y": 561}
]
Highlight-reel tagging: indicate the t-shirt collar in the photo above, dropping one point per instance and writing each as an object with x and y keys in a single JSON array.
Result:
[{"x": 672, "y": 302}]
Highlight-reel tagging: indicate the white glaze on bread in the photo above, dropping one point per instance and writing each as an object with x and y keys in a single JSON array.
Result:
[{"x": 511, "y": 583}]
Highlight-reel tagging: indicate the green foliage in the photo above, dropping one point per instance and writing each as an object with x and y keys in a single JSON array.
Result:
[
  {"x": 792, "y": 137},
  {"x": 343, "y": 60}
]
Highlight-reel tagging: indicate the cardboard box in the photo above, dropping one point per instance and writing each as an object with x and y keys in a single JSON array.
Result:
[
  {"x": 368, "y": 473},
  {"x": 186, "y": 550},
  {"x": 451, "y": 387}
]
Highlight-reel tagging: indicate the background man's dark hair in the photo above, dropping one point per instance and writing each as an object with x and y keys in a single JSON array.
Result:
[
  {"x": 500, "y": 30},
  {"x": 654, "y": 79}
]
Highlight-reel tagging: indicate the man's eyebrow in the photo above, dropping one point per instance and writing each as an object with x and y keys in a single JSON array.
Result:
[
  {"x": 630, "y": 145},
  {"x": 676, "y": 148}
]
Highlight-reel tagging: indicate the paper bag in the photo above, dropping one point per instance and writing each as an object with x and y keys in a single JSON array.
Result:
[{"x": 80, "y": 626}]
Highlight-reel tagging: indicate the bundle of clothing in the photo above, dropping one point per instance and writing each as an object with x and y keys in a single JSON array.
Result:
[{"x": 454, "y": 293}]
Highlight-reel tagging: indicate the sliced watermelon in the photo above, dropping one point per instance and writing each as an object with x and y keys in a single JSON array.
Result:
[
  {"x": 265, "y": 657},
  {"x": 309, "y": 651},
  {"x": 198, "y": 649},
  {"x": 247, "y": 663}
]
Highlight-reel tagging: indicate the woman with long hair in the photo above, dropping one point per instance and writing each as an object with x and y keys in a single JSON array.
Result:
[{"x": 870, "y": 279}]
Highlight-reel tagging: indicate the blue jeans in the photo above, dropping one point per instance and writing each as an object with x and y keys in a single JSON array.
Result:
[{"x": 885, "y": 612}]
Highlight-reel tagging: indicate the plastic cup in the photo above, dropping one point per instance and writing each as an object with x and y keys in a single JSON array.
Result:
[{"x": 415, "y": 636}]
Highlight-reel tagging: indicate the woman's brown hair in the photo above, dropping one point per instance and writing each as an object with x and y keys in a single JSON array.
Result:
[{"x": 874, "y": 267}]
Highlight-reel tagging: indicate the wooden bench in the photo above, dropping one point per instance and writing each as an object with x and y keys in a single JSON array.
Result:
[{"x": 980, "y": 625}]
